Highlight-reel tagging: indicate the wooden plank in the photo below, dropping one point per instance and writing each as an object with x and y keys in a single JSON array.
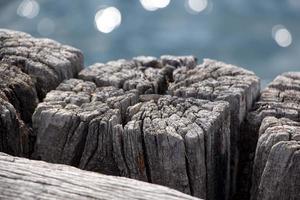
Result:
[
  {"x": 148, "y": 75},
  {"x": 82, "y": 125},
  {"x": 214, "y": 80},
  {"x": 279, "y": 99},
  {"x": 177, "y": 142},
  {"x": 46, "y": 61},
  {"x": 276, "y": 171},
  {"x": 30, "y": 68},
  {"x": 21, "y": 178},
  {"x": 74, "y": 124}
]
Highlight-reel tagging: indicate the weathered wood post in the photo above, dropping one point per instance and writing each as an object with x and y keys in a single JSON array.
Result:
[{"x": 29, "y": 68}]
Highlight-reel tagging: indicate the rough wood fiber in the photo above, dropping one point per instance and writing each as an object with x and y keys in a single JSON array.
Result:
[
  {"x": 276, "y": 170},
  {"x": 27, "y": 179},
  {"x": 215, "y": 80},
  {"x": 19, "y": 90},
  {"x": 281, "y": 99},
  {"x": 146, "y": 74},
  {"x": 47, "y": 62},
  {"x": 29, "y": 68},
  {"x": 74, "y": 124},
  {"x": 176, "y": 142},
  {"x": 18, "y": 101},
  {"x": 12, "y": 129}
]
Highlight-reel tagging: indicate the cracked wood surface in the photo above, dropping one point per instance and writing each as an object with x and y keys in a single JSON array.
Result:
[
  {"x": 120, "y": 119},
  {"x": 276, "y": 169},
  {"x": 74, "y": 124},
  {"x": 30, "y": 68},
  {"x": 10, "y": 128},
  {"x": 18, "y": 101},
  {"x": 214, "y": 80},
  {"x": 46, "y": 61},
  {"x": 279, "y": 99},
  {"x": 180, "y": 143},
  {"x": 82, "y": 125},
  {"x": 146, "y": 74},
  {"x": 28, "y": 179}
]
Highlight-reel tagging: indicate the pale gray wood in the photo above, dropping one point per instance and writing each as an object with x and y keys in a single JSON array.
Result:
[
  {"x": 176, "y": 142},
  {"x": 214, "y": 80},
  {"x": 279, "y": 99},
  {"x": 17, "y": 91},
  {"x": 146, "y": 74},
  {"x": 74, "y": 124},
  {"x": 30, "y": 68},
  {"x": 27, "y": 179},
  {"x": 276, "y": 170},
  {"x": 179, "y": 61},
  {"x": 12, "y": 129},
  {"x": 46, "y": 61}
]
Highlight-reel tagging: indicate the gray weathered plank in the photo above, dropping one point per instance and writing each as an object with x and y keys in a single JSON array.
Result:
[
  {"x": 276, "y": 170},
  {"x": 46, "y": 61},
  {"x": 21, "y": 178},
  {"x": 74, "y": 124},
  {"x": 12, "y": 129},
  {"x": 30, "y": 68},
  {"x": 279, "y": 99},
  {"x": 214, "y": 80},
  {"x": 177, "y": 142},
  {"x": 18, "y": 101},
  {"x": 146, "y": 74},
  {"x": 19, "y": 89}
]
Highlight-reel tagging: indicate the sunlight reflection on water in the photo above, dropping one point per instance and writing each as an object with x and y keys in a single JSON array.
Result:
[
  {"x": 152, "y": 5},
  {"x": 197, "y": 5},
  {"x": 107, "y": 19},
  {"x": 234, "y": 31},
  {"x": 28, "y": 9},
  {"x": 282, "y": 36}
]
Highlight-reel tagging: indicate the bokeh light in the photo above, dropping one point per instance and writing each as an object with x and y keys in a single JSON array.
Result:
[
  {"x": 28, "y": 9},
  {"x": 294, "y": 4},
  {"x": 233, "y": 31},
  {"x": 107, "y": 19},
  {"x": 196, "y": 6},
  {"x": 46, "y": 27},
  {"x": 152, "y": 5},
  {"x": 282, "y": 36}
]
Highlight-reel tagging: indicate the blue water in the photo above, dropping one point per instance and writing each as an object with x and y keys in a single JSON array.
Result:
[{"x": 234, "y": 31}]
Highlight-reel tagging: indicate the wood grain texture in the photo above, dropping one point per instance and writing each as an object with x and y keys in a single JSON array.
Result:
[
  {"x": 28, "y": 179},
  {"x": 30, "y": 68},
  {"x": 148, "y": 75},
  {"x": 185, "y": 145},
  {"x": 276, "y": 170},
  {"x": 214, "y": 80},
  {"x": 46, "y": 61},
  {"x": 18, "y": 101},
  {"x": 279, "y": 99},
  {"x": 74, "y": 124},
  {"x": 177, "y": 142},
  {"x": 12, "y": 129}
]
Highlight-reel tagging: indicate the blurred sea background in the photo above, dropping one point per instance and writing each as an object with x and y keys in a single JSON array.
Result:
[{"x": 262, "y": 36}]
